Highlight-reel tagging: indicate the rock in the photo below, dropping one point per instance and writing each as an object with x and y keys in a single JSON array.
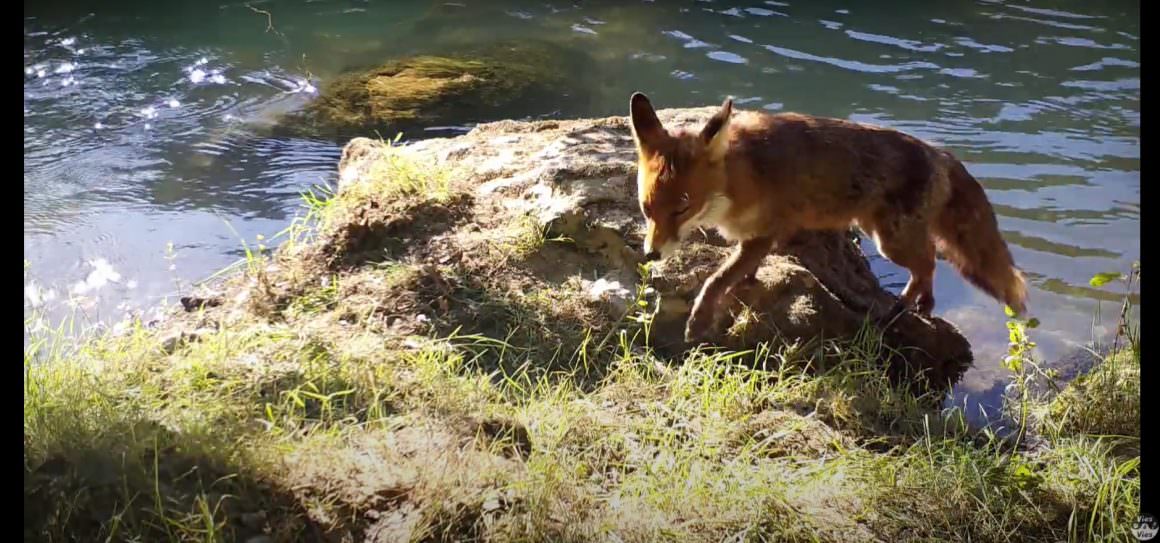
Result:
[
  {"x": 175, "y": 339},
  {"x": 195, "y": 303},
  {"x": 607, "y": 290},
  {"x": 171, "y": 341},
  {"x": 821, "y": 285},
  {"x": 501, "y": 80},
  {"x": 576, "y": 179}
]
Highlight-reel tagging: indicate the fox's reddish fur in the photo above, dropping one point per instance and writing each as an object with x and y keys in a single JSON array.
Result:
[{"x": 761, "y": 178}]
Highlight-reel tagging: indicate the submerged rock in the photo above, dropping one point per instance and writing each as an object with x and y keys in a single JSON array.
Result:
[
  {"x": 576, "y": 181},
  {"x": 497, "y": 81}
]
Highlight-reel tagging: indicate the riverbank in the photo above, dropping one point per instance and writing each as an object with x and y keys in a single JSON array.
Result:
[{"x": 414, "y": 363}]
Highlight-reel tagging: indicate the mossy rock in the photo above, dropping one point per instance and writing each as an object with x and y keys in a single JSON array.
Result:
[{"x": 500, "y": 81}]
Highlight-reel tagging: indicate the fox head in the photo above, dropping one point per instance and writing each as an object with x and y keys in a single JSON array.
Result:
[{"x": 679, "y": 175}]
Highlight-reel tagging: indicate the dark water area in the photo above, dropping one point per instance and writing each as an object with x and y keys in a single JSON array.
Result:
[{"x": 147, "y": 125}]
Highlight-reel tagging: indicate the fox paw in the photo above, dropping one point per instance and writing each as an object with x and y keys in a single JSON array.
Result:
[
  {"x": 698, "y": 326},
  {"x": 922, "y": 307}
]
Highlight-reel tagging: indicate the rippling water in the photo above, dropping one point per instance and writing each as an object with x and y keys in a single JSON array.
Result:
[{"x": 146, "y": 123}]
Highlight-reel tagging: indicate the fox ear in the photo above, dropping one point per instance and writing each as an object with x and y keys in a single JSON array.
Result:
[
  {"x": 647, "y": 130},
  {"x": 715, "y": 134}
]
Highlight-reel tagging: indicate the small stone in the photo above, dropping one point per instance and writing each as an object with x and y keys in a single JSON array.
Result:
[
  {"x": 194, "y": 303},
  {"x": 171, "y": 341}
]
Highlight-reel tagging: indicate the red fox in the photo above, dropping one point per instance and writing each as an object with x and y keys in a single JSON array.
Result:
[{"x": 760, "y": 178}]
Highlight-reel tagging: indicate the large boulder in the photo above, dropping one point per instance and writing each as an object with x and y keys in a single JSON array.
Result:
[{"x": 576, "y": 180}]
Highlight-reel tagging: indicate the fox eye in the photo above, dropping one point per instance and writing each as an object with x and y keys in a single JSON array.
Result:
[{"x": 682, "y": 205}]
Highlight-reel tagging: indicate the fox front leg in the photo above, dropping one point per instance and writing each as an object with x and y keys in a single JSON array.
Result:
[{"x": 742, "y": 263}]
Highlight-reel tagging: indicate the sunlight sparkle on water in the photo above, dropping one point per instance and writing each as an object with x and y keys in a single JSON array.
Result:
[{"x": 101, "y": 275}]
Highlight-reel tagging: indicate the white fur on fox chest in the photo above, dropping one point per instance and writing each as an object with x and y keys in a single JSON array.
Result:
[{"x": 733, "y": 226}]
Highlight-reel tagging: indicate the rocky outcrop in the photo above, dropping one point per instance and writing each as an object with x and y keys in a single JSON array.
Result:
[{"x": 576, "y": 179}]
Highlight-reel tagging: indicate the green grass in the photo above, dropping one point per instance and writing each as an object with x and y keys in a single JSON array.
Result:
[
  {"x": 396, "y": 175},
  {"x": 321, "y": 419},
  {"x": 312, "y": 432}
]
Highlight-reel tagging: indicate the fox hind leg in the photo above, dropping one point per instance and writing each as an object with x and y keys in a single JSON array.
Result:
[{"x": 908, "y": 244}]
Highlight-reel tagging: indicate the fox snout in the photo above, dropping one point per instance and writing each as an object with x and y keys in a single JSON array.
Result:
[
  {"x": 652, "y": 253},
  {"x": 657, "y": 245}
]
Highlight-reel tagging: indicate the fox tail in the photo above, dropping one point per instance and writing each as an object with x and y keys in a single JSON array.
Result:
[{"x": 970, "y": 239}]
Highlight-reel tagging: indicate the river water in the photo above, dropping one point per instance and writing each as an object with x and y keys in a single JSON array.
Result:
[{"x": 148, "y": 157}]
